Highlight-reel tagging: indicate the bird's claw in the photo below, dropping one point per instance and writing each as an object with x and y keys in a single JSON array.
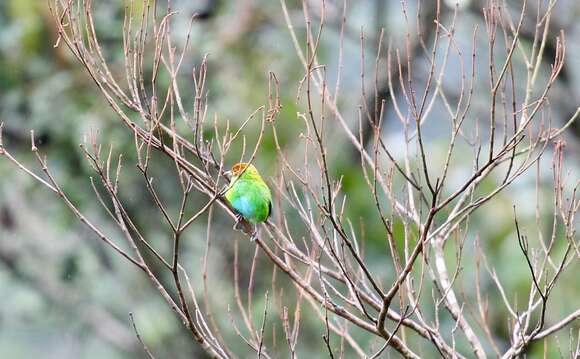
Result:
[
  {"x": 238, "y": 225},
  {"x": 254, "y": 236},
  {"x": 255, "y": 233}
]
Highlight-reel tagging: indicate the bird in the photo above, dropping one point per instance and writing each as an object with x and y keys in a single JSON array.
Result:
[{"x": 249, "y": 195}]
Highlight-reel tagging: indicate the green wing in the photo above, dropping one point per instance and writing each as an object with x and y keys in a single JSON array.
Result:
[{"x": 252, "y": 199}]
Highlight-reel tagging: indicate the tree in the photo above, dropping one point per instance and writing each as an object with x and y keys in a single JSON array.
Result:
[{"x": 423, "y": 201}]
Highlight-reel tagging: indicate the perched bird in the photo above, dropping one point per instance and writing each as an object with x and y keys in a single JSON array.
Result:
[{"x": 249, "y": 195}]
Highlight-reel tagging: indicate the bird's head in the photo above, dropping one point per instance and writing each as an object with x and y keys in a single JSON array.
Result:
[{"x": 246, "y": 170}]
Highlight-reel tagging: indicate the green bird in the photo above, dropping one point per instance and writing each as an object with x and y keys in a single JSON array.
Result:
[{"x": 249, "y": 195}]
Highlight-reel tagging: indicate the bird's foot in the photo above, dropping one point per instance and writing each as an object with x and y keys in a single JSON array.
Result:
[
  {"x": 255, "y": 234},
  {"x": 247, "y": 227},
  {"x": 239, "y": 225}
]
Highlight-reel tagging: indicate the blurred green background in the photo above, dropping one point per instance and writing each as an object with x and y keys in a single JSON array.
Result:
[{"x": 64, "y": 295}]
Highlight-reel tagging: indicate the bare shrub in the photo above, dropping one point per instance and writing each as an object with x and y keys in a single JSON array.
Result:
[{"x": 310, "y": 241}]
